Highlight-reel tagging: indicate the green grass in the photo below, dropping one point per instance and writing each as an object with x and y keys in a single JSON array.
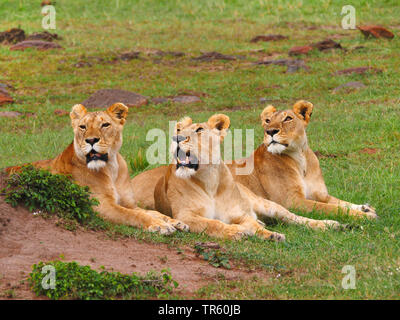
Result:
[{"x": 309, "y": 264}]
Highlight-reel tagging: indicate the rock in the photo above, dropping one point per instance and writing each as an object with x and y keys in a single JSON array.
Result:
[
  {"x": 353, "y": 84},
  {"x": 12, "y": 36},
  {"x": 60, "y": 112},
  {"x": 186, "y": 99},
  {"x": 107, "y": 97},
  {"x": 327, "y": 45},
  {"x": 269, "y": 37},
  {"x": 321, "y": 155},
  {"x": 5, "y": 98},
  {"x": 45, "y": 36},
  {"x": 10, "y": 114},
  {"x": 37, "y": 44},
  {"x": 295, "y": 51},
  {"x": 293, "y": 65},
  {"x": 208, "y": 245},
  {"x": 376, "y": 31},
  {"x": 210, "y": 56},
  {"x": 358, "y": 70}
]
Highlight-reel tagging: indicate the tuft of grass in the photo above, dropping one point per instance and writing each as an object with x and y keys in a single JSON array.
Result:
[
  {"x": 73, "y": 281},
  {"x": 38, "y": 189}
]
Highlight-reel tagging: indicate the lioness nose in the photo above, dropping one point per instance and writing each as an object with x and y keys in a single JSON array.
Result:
[
  {"x": 178, "y": 138},
  {"x": 272, "y": 132},
  {"x": 92, "y": 141}
]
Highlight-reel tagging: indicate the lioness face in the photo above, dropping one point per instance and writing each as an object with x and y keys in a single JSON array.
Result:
[
  {"x": 98, "y": 135},
  {"x": 285, "y": 131},
  {"x": 197, "y": 145}
]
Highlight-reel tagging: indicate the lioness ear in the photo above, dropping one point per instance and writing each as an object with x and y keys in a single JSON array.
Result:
[
  {"x": 219, "y": 121},
  {"x": 303, "y": 109},
  {"x": 118, "y": 111},
  {"x": 267, "y": 112},
  {"x": 77, "y": 112}
]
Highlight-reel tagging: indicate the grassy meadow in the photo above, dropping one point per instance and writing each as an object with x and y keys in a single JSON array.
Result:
[{"x": 357, "y": 130}]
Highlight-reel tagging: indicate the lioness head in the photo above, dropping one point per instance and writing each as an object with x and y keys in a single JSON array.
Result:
[
  {"x": 98, "y": 135},
  {"x": 196, "y": 145},
  {"x": 285, "y": 131}
]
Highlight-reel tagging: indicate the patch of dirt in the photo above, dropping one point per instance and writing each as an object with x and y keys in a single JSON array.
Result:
[
  {"x": 321, "y": 155},
  {"x": 107, "y": 97},
  {"x": 91, "y": 60},
  {"x": 375, "y": 31},
  {"x": 293, "y": 65},
  {"x": 45, "y": 36},
  {"x": 350, "y": 85},
  {"x": 327, "y": 45},
  {"x": 211, "y": 56},
  {"x": 358, "y": 70},
  {"x": 369, "y": 150},
  {"x": 60, "y": 112},
  {"x": 37, "y": 44},
  {"x": 27, "y": 239},
  {"x": 10, "y": 114},
  {"x": 12, "y": 36},
  {"x": 269, "y": 37}
]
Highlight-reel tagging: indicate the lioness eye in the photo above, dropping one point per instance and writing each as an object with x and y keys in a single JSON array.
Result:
[
  {"x": 199, "y": 129},
  {"x": 267, "y": 120},
  {"x": 288, "y": 118},
  {"x": 82, "y": 127},
  {"x": 105, "y": 125}
]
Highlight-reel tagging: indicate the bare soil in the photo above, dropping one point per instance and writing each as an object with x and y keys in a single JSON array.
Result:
[{"x": 26, "y": 239}]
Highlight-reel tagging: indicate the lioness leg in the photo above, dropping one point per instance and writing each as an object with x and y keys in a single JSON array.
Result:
[
  {"x": 310, "y": 205},
  {"x": 136, "y": 217},
  {"x": 348, "y": 205},
  {"x": 246, "y": 226},
  {"x": 270, "y": 209},
  {"x": 176, "y": 223}
]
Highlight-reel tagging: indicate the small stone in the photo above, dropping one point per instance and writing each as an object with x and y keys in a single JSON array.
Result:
[
  {"x": 376, "y": 31},
  {"x": 300, "y": 50},
  {"x": 327, "y": 45},
  {"x": 5, "y": 98},
  {"x": 45, "y": 36},
  {"x": 60, "y": 112}
]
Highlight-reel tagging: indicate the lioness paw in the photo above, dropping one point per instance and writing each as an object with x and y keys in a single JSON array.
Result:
[
  {"x": 332, "y": 224},
  {"x": 279, "y": 237},
  {"x": 162, "y": 228},
  {"x": 179, "y": 225}
]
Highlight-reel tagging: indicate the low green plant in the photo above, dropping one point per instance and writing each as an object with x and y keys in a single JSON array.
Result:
[
  {"x": 38, "y": 189},
  {"x": 73, "y": 281},
  {"x": 215, "y": 257},
  {"x": 139, "y": 162}
]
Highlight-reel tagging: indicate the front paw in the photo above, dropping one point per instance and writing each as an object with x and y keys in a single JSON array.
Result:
[
  {"x": 368, "y": 209},
  {"x": 179, "y": 225},
  {"x": 161, "y": 227},
  {"x": 278, "y": 237}
]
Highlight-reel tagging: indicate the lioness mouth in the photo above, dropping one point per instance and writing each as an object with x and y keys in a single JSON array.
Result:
[
  {"x": 276, "y": 142},
  {"x": 94, "y": 155},
  {"x": 185, "y": 159}
]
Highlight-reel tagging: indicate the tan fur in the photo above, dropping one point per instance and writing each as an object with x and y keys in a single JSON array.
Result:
[
  {"x": 290, "y": 175},
  {"x": 109, "y": 182},
  {"x": 209, "y": 200}
]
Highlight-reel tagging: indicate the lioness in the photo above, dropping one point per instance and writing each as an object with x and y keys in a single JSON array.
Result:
[
  {"x": 93, "y": 160},
  {"x": 287, "y": 171},
  {"x": 199, "y": 190}
]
